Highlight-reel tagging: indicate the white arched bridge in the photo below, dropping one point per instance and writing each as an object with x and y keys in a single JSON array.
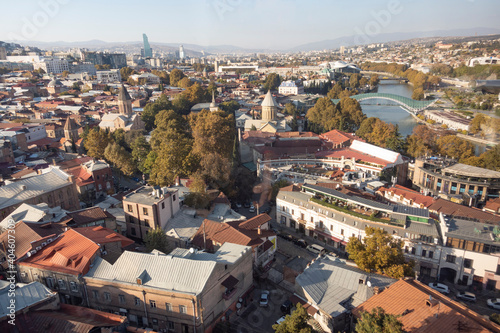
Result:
[{"x": 410, "y": 105}]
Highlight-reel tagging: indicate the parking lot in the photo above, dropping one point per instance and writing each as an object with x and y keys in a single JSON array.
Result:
[{"x": 261, "y": 319}]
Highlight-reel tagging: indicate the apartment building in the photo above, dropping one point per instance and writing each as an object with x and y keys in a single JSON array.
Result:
[
  {"x": 185, "y": 291},
  {"x": 149, "y": 207}
]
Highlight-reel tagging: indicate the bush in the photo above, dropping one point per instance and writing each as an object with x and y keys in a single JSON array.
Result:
[{"x": 495, "y": 317}]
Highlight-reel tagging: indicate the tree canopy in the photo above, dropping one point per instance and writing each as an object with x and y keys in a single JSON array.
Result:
[
  {"x": 378, "y": 321},
  {"x": 325, "y": 116},
  {"x": 379, "y": 252},
  {"x": 96, "y": 142},
  {"x": 152, "y": 109},
  {"x": 156, "y": 239},
  {"x": 272, "y": 82},
  {"x": 296, "y": 322}
]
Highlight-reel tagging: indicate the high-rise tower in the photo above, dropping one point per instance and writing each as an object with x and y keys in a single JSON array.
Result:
[
  {"x": 148, "y": 52},
  {"x": 182, "y": 55}
]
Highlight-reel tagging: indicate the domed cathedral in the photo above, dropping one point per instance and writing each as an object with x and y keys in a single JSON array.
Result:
[{"x": 269, "y": 107}]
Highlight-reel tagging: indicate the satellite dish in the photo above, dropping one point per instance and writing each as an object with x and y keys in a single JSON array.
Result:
[
  {"x": 191, "y": 250},
  {"x": 369, "y": 284}
]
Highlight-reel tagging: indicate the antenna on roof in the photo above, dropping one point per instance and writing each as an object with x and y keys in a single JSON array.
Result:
[{"x": 204, "y": 237}]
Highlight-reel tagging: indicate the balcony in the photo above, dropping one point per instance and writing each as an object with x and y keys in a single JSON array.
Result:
[{"x": 228, "y": 294}]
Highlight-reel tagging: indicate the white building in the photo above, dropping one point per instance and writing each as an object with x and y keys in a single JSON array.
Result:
[
  {"x": 148, "y": 78},
  {"x": 481, "y": 61},
  {"x": 448, "y": 118},
  {"x": 52, "y": 65},
  {"x": 35, "y": 132},
  {"x": 291, "y": 88},
  {"x": 110, "y": 76}
]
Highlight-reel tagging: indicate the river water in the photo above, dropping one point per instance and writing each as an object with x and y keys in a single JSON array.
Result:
[
  {"x": 395, "y": 114},
  {"x": 391, "y": 113}
]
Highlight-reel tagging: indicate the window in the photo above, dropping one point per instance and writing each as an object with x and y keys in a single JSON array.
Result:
[
  {"x": 132, "y": 231},
  {"x": 121, "y": 298},
  {"x": 146, "y": 222},
  {"x": 171, "y": 325},
  {"x": 155, "y": 321},
  {"x": 498, "y": 270},
  {"x": 283, "y": 208},
  {"x": 182, "y": 309},
  {"x": 62, "y": 284},
  {"x": 152, "y": 303},
  {"x": 137, "y": 301},
  {"x": 107, "y": 297},
  {"x": 168, "y": 306},
  {"x": 321, "y": 224},
  {"x": 173, "y": 197},
  {"x": 129, "y": 208},
  {"x": 312, "y": 219},
  {"x": 50, "y": 282},
  {"x": 283, "y": 220},
  {"x": 431, "y": 254},
  {"x": 468, "y": 263},
  {"x": 95, "y": 294},
  {"x": 413, "y": 250},
  {"x": 73, "y": 286},
  {"x": 163, "y": 205},
  {"x": 144, "y": 211},
  {"x": 406, "y": 249},
  {"x": 424, "y": 252},
  {"x": 450, "y": 258},
  {"x": 342, "y": 232},
  {"x": 331, "y": 227}
]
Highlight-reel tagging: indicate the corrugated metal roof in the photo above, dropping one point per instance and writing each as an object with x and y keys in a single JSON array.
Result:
[{"x": 26, "y": 295}]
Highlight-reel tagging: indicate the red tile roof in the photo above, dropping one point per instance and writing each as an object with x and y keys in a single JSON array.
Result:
[
  {"x": 439, "y": 315},
  {"x": 71, "y": 253},
  {"x": 409, "y": 194},
  {"x": 69, "y": 318},
  {"x": 454, "y": 209},
  {"x": 493, "y": 205},
  {"x": 349, "y": 153},
  {"x": 102, "y": 235},
  {"x": 339, "y": 137},
  {"x": 255, "y": 222}
]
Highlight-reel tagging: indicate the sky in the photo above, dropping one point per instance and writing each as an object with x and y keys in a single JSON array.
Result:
[{"x": 271, "y": 24}]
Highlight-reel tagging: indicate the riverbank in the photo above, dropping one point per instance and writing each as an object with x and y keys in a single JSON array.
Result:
[{"x": 477, "y": 140}]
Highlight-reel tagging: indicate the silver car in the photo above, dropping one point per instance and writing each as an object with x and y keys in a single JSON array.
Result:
[
  {"x": 439, "y": 287},
  {"x": 494, "y": 303},
  {"x": 466, "y": 296}
]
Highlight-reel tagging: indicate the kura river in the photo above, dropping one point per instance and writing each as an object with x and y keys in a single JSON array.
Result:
[{"x": 391, "y": 113}]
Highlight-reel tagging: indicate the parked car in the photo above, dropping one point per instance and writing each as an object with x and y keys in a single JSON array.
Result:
[
  {"x": 251, "y": 209},
  {"x": 316, "y": 249},
  {"x": 466, "y": 296},
  {"x": 494, "y": 303},
  {"x": 238, "y": 205},
  {"x": 282, "y": 235},
  {"x": 279, "y": 321},
  {"x": 264, "y": 298},
  {"x": 300, "y": 242},
  {"x": 291, "y": 238},
  {"x": 439, "y": 287},
  {"x": 286, "y": 307},
  {"x": 246, "y": 205}
]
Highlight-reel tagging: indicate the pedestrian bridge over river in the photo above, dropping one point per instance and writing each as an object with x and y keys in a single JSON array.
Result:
[{"x": 410, "y": 105}]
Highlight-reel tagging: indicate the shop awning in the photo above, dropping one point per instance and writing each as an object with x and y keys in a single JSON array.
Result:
[{"x": 230, "y": 282}]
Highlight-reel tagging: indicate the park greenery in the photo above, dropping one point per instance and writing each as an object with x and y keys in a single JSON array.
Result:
[{"x": 380, "y": 253}]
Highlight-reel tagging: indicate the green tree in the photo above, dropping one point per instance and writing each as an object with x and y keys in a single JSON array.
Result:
[
  {"x": 378, "y": 321},
  {"x": 418, "y": 94},
  {"x": 453, "y": 146},
  {"x": 296, "y": 322},
  {"x": 335, "y": 92},
  {"x": 120, "y": 158},
  {"x": 276, "y": 188},
  {"x": 421, "y": 142},
  {"x": 272, "y": 82},
  {"x": 125, "y": 72},
  {"x": 354, "y": 80},
  {"x": 379, "y": 252},
  {"x": 164, "y": 76},
  {"x": 175, "y": 76},
  {"x": 229, "y": 107},
  {"x": 156, "y": 239},
  {"x": 152, "y": 109},
  {"x": 194, "y": 94},
  {"x": 374, "y": 80},
  {"x": 323, "y": 116},
  {"x": 213, "y": 132},
  {"x": 181, "y": 104},
  {"x": 477, "y": 123},
  {"x": 96, "y": 142},
  {"x": 185, "y": 82},
  {"x": 140, "y": 151}
]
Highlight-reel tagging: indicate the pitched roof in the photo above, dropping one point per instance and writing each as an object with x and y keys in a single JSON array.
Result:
[
  {"x": 102, "y": 235},
  {"x": 269, "y": 100},
  {"x": 26, "y": 295},
  {"x": 222, "y": 198},
  {"x": 123, "y": 94},
  {"x": 337, "y": 136},
  {"x": 409, "y": 194},
  {"x": 70, "y": 124},
  {"x": 453, "y": 209},
  {"x": 70, "y": 253},
  {"x": 424, "y": 310},
  {"x": 24, "y": 236},
  {"x": 493, "y": 205},
  {"x": 255, "y": 222},
  {"x": 25, "y": 189},
  {"x": 155, "y": 270},
  {"x": 70, "y": 318},
  {"x": 89, "y": 215}
]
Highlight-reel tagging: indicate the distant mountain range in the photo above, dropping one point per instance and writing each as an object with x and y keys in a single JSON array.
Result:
[{"x": 196, "y": 50}]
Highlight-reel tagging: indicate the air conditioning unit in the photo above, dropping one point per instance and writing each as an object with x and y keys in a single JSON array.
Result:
[
  {"x": 49, "y": 240},
  {"x": 44, "y": 244},
  {"x": 38, "y": 248},
  {"x": 32, "y": 252},
  {"x": 28, "y": 254},
  {"x": 104, "y": 252}
]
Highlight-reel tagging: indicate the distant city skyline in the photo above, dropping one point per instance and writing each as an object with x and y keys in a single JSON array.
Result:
[{"x": 271, "y": 24}]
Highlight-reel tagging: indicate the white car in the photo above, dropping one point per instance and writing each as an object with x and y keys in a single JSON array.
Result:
[
  {"x": 251, "y": 209},
  {"x": 466, "y": 296},
  {"x": 264, "y": 298},
  {"x": 440, "y": 287},
  {"x": 279, "y": 321},
  {"x": 494, "y": 303}
]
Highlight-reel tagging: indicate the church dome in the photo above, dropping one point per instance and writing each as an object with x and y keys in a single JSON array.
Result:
[{"x": 55, "y": 83}]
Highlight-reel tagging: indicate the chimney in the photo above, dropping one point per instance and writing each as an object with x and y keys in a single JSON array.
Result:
[
  {"x": 258, "y": 230},
  {"x": 376, "y": 290}
]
